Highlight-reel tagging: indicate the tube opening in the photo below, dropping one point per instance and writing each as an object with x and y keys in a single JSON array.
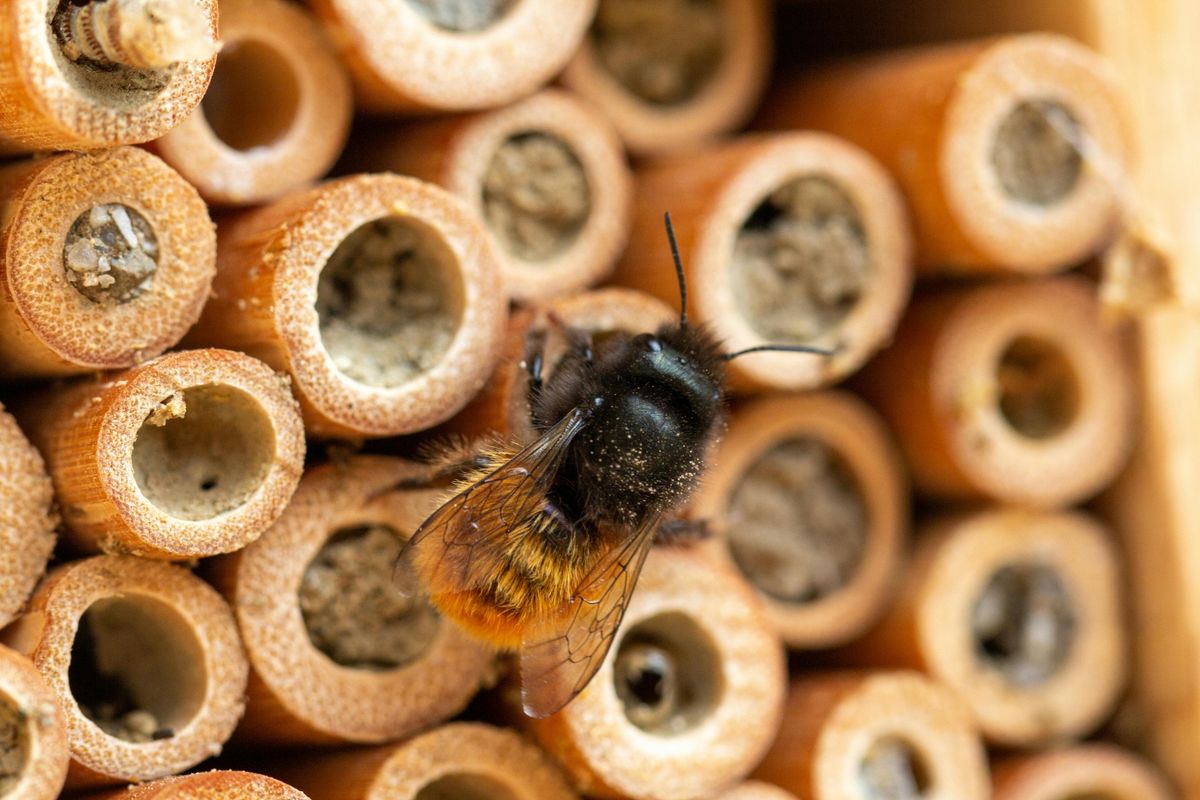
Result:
[
  {"x": 1037, "y": 152},
  {"x": 893, "y": 769},
  {"x": 1024, "y": 623},
  {"x": 137, "y": 670},
  {"x": 664, "y": 52},
  {"x": 463, "y": 16},
  {"x": 1039, "y": 390},
  {"x": 389, "y": 301},
  {"x": 536, "y": 196},
  {"x": 254, "y": 96},
  {"x": 465, "y": 786},
  {"x": 355, "y": 611},
  {"x": 110, "y": 254},
  {"x": 203, "y": 452},
  {"x": 667, "y": 674},
  {"x": 801, "y": 261},
  {"x": 14, "y": 743}
]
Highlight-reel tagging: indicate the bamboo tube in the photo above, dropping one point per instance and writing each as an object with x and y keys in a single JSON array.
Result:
[
  {"x": 547, "y": 175},
  {"x": 671, "y": 75},
  {"x": 276, "y": 114},
  {"x": 425, "y": 55},
  {"x": 380, "y": 295},
  {"x": 27, "y": 534},
  {"x": 338, "y": 651},
  {"x": 144, "y": 660},
  {"x": 862, "y": 736},
  {"x": 92, "y": 75},
  {"x": 793, "y": 238},
  {"x": 1088, "y": 771},
  {"x": 189, "y": 455},
  {"x": 1014, "y": 391},
  {"x": 1013, "y": 153},
  {"x": 214, "y": 785},
  {"x": 698, "y": 635},
  {"x": 756, "y": 790},
  {"x": 807, "y": 499},
  {"x": 1017, "y": 611},
  {"x": 33, "y": 736},
  {"x": 106, "y": 260},
  {"x": 462, "y": 760}
]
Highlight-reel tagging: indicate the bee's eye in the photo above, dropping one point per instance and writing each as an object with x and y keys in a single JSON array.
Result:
[{"x": 648, "y": 341}]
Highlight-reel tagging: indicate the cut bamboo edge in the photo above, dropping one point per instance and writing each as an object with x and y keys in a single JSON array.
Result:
[
  {"x": 164, "y": 636},
  {"x": 214, "y": 785},
  {"x": 96, "y": 75},
  {"x": 189, "y": 455},
  {"x": 338, "y": 650},
  {"x": 1014, "y": 153},
  {"x": 106, "y": 260},
  {"x": 546, "y": 174},
  {"x": 794, "y": 238},
  {"x": 277, "y": 111},
  {"x": 380, "y": 295},
  {"x": 1093, "y": 770},
  {"x": 646, "y": 70},
  {"x": 33, "y": 736},
  {"x": 27, "y": 532}
]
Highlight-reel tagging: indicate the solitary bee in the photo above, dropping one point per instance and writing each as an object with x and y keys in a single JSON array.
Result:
[{"x": 540, "y": 548}]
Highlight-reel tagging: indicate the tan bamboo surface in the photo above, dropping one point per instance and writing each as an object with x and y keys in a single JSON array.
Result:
[
  {"x": 151, "y": 74},
  {"x": 33, "y": 735},
  {"x": 164, "y": 636},
  {"x": 1091, "y": 770},
  {"x": 191, "y": 454},
  {"x": 373, "y": 665},
  {"x": 821, "y": 467},
  {"x": 277, "y": 111},
  {"x": 546, "y": 174},
  {"x": 1013, "y": 153},
  {"x": 60, "y": 314},
  {"x": 756, "y": 790},
  {"x": 712, "y": 195},
  {"x": 859, "y": 736},
  {"x": 27, "y": 527},
  {"x": 441, "y": 310},
  {"x": 669, "y": 115},
  {"x": 1017, "y": 391},
  {"x": 214, "y": 785},
  {"x": 403, "y": 61},
  {"x": 727, "y": 668},
  {"x": 459, "y": 760}
]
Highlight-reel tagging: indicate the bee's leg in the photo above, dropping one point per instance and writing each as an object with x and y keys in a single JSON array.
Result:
[
  {"x": 535, "y": 353},
  {"x": 682, "y": 532},
  {"x": 448, "y": 460}
]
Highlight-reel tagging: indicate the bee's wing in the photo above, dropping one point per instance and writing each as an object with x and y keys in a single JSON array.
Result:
[{"x": 560, "y": 660}]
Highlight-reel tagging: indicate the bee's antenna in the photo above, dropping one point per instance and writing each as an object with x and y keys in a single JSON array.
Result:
[
  {"x": 678, "y": 270},
  {"x": 782, "y": 348}
]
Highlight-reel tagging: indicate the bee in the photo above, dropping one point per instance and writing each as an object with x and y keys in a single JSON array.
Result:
[{"x": 539, "y": 547}]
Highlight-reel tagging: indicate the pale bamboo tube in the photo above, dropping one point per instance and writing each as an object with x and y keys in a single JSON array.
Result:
[
  {"x": 337, "y": 651},
  {"x": 794, "y": 238},
  {"x": 189, "y": 455},
  {"x": 547, "y": 175},
  {"x": 27, "y": 533},
  {"x": 424, "y": 55},
  {"x": 862, "y": 736},
  {"x": 673, "y": 74},
  {"x": 33, "y": 736},
  {"x": 214, "y": 785},
  {"x": 698, "y": 629},
  {"x": 105, "y": 259},
  {"x": 380, "y": 295},
  {"x": 460, "y": 760},
  {"x": 1015, "y": 391},
  {"x": 1019, "y": 612},
  {"x": 1013, "y": 153},
  {"x": 806, "y": 497},
  {"x": 1098, "y": 771},
  {"x": 144, "y": 661},
  {"x": 276, "y": 114},
  {"x": 756, "y": 790}
]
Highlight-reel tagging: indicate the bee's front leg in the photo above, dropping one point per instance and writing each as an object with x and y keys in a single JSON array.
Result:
[{"x": 682, "y": 532}]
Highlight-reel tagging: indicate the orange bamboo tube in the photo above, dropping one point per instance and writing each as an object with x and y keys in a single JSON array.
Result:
[
  {"x": 807, "y": 499},
  {"x": 1088, "y": 771},
  {"x": 105, "y": 258},
  {"x": 861, "y": 736},
  {"x": 380, "y": 295},
  {"x": 1019, "y": 612},
  {"x": 426, "y": 55},
  {"x": 338, "y": 651},
  {"x": 460, "y": 760},
  {"x": 94, "y": 75},
  {"x": 276, "y": 114},
  {"x": 33, "y": 736},
  {"x": 793, "y": 238},
  {"x": 214, "y": 785},
  {"x": 1014, "y": 391},
  {"x": 697, "y": 634},
  {"x": 756, "y": 790},
  {"x": 673, "y": 74},
  {"x": 144, "y": 661},
  {"x": 547, "y": 175},
  {"x": 189, "y": 455},
  {"x": 1013, "y": 153},
  {"x": 27, "y": 533}
]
